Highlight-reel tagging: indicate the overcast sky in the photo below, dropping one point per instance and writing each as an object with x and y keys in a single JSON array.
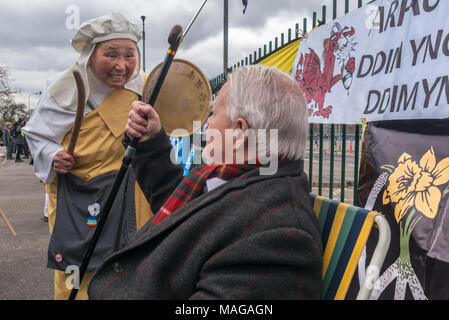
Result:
[{"x": 35, "y": 35}]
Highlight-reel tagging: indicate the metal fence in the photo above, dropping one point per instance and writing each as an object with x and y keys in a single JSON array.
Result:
[{"x": 333, "y": 153}]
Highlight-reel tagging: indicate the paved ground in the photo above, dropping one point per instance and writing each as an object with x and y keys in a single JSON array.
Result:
[{"x": 23, "y": 272}]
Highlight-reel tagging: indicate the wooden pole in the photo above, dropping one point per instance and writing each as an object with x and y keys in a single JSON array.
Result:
[{"x": 7, "y": 222}]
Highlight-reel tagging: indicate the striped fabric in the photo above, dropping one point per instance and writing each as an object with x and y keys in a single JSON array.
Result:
[{"x": 344, "y": 230}]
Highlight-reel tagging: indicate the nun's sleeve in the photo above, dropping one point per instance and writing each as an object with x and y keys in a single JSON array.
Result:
[{"x": 44, "y": 133}]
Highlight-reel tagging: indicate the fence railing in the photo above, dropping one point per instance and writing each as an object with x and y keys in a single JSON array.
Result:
[{"x": 335, "y": 148}]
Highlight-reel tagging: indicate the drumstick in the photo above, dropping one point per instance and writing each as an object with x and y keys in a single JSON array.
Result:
[
  {"x": 79, "y": 111},
  {"x": 174, "y": 39},
  {"x": 7, "y": 222}
]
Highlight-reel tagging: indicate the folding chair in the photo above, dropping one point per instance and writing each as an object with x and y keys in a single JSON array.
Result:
[{"x": 345, "y": 230}]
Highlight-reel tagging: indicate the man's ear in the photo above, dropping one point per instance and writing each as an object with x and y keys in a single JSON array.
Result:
[
  {"x": 241, "y": 140},
  {"x": 243, "y": 126}
]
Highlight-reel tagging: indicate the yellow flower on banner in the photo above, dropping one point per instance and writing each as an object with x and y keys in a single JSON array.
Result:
[{"x": 415, "y": 185}]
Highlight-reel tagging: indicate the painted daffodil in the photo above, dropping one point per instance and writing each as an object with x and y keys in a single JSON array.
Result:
[{"x": 416, "y": 184}]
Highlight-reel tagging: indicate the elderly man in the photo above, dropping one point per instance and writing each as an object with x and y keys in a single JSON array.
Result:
[{"x": 226, "y": 231}]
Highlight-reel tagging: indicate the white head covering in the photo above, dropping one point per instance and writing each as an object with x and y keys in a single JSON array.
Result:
[{"x": 107, "y": 27}]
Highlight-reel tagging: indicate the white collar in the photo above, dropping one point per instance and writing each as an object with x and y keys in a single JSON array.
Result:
[{"x": 214, "y": 183}]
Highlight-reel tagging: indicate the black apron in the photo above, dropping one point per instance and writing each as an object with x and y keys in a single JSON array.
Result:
[{"x": 79, "y": 208}]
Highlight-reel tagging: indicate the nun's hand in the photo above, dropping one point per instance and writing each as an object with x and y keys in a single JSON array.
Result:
[
  {"x": 63, "y": 161},
  {"x": 143, "y": 122}
]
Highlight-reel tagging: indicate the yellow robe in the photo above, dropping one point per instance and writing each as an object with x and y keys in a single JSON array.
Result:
[{"x": 101, "y": 152}]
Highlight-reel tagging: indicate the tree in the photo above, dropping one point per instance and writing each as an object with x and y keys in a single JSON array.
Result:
[{"x": 9, "y": 109}]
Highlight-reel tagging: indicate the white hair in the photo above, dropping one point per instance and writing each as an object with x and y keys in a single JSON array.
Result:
[{"x": 268, "y": 98}]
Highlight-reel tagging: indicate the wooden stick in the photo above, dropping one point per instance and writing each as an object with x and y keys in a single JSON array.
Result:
[
  {"x": 79, "y": 111},
  {"x": 7, "y": 222}
]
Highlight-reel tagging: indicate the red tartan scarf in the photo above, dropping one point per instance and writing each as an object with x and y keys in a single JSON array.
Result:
[{"x": 191, "y": 187}]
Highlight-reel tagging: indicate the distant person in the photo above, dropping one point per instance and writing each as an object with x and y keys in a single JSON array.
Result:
[
  {"x": 26, "y": 149},
  {"x": 19, "y": 139},
  {"x": 8, "y": 140}
]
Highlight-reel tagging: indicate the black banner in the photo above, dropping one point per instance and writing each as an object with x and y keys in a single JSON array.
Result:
[{"x": 404, "y": 174}]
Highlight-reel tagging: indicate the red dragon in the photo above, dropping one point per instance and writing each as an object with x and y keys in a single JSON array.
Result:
[{"x": 314, "y": 83}]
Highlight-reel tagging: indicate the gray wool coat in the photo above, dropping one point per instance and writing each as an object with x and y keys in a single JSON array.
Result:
[{"x": 255, "y": 237}]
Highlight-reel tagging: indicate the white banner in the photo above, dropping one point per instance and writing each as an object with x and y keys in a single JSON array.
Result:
[{"x": 388, "y": 60}]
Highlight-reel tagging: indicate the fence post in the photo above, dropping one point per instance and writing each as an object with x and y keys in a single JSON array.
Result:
[
  {"x": 310, "y": 156},
  {"x": 332, "y": 138},
  {"x": 310, "y": 175},
  {"x": 343, "y": 163},
  {"x": 323, "y": 14},
  {"x": 334, "y": 10},
  {"x": 320, "y": 163},
  {"x": 356, "y": 160},
  {"x": 357, "y": 148}
]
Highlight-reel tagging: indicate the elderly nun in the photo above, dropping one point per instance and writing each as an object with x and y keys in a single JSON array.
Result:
[{"x": 80, "y": 183}]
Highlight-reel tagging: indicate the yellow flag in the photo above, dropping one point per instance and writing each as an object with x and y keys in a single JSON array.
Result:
[{"x": 283, "y": 58}]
